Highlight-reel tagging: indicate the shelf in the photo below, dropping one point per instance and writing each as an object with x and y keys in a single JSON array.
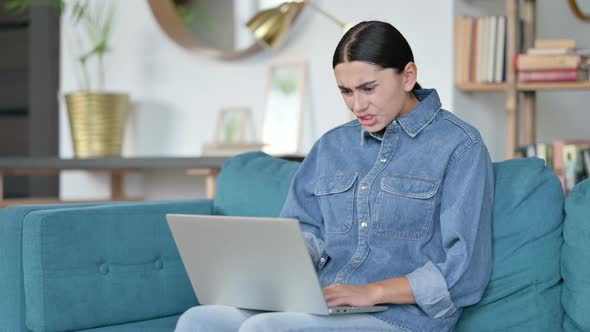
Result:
[
  {"x": 554, "y": 86},
  {"x": 480, "y": 87},
  {"x": 55, "y": 200},
  {"x": 474, "y": 87}
]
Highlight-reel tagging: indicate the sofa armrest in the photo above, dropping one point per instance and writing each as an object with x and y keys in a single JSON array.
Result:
[{"x": 104, "y": 265}]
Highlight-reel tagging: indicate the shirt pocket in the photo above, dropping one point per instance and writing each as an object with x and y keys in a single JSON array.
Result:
[
  {"x": 404, "y": 207},
  {"x": 336, "y": 197}
]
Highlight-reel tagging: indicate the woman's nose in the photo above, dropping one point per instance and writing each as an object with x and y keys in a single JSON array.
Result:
[{"x": 359, "y": 103}]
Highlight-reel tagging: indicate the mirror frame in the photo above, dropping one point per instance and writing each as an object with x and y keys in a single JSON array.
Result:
[
  {"x": 577, "y": 11},
  {"x": 165, "y": 14}
]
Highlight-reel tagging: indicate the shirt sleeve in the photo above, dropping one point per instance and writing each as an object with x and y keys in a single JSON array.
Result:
[
  {"x": 466, "y": 227},
  {"x": 301, "y": 203}
]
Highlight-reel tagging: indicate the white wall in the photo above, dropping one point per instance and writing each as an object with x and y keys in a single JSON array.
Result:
[
  {"x": 176, "y": 94},
  {"x": 560, "y": 114}
]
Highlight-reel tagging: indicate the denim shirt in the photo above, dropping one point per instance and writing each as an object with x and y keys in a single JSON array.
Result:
[{"x": 415, "y": 202}]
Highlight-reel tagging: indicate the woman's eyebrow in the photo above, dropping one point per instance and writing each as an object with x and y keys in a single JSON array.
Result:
[{"x": 359, "y": 86}]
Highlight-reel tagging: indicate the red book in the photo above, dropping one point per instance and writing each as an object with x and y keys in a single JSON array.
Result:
[{"x": 557, "y": 75}]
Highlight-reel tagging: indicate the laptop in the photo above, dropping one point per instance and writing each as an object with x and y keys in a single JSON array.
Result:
[{"x": 251, "y": 263}]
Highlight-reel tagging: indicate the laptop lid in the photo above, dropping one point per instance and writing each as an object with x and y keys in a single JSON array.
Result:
[{"x": 248, "y": 262}]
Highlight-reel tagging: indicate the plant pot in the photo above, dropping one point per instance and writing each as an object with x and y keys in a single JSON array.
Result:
[{"x": 97, "y": 123}]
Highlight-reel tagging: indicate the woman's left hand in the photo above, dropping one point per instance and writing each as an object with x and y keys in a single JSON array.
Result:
[{"x": 347, "y": 295}]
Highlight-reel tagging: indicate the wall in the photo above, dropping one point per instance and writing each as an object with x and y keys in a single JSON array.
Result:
[
  {"x": 560, "y": 114},
  {"x": 176, "y": 94}
]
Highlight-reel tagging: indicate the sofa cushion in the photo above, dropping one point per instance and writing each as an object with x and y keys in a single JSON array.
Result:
[
  {"x": 525, "y": 287},
  {"x": 253, "y": 184},
  {"x": 575, "y": 259},
  {"x": 106, "y": 265}
]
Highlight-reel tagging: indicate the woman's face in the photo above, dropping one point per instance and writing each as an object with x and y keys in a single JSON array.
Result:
[{"x": 375, "y": 95}]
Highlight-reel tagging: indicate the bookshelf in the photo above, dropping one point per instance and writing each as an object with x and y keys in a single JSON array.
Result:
[{"x": 521, "y": 98}]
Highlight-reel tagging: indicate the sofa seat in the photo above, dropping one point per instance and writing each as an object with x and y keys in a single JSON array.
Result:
[{"x": 165, "y": 324}]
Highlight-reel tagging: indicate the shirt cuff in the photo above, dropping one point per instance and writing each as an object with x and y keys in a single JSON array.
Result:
[{"x": 430, "y": 291}]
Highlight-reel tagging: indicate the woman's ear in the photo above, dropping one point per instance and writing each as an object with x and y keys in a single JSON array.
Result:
[{"x": 410, "y": 75}]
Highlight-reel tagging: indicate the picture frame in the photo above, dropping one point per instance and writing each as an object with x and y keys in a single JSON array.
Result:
[
  {"x": 282, "y": 119},
  {"x": 232, "y": 125}
]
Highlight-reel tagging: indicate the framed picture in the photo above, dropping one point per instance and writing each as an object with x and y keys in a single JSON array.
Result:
[
  {"x": 232, "y": 125},
  {"x": 282, "y": 118}
]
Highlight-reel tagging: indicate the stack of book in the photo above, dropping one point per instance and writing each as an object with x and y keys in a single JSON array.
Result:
[
  {"x": 569, "y": 159},
  {"x": 480, "y": 49},
  {"x": 552, "y": 61}
]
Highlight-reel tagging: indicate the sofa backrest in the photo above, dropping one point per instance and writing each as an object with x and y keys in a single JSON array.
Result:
[
  {"x": 575, "y": 260},
  {"x": 253, "y": 184},
  {"x": 525, "y": 286},
  {"x": 104, "y": 265}
]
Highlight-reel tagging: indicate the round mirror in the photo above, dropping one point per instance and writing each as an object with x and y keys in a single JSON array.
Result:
[
  {"x": 213, "y": 27},
  {"x": 581, "y": 9}
]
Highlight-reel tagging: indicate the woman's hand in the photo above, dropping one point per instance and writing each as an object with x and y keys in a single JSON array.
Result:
[
  {"x": 355, "y": 296},
  {"x": 395, "y": 290}
]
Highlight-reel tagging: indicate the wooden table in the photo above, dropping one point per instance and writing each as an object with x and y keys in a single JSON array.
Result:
[{"x": 115, "y": 167}]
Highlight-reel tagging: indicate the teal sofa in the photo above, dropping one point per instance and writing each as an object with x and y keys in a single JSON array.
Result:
[{"x": 115, "y": 268}]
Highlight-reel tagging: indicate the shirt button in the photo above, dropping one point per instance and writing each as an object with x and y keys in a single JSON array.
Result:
[
  {"x": 357, "y": 259},
  {"x": 364, "y": 186},
  {"x": 322, "y": 260},
  {"x": 364, "y": 224},
  {"x": 383, "y": 159}
]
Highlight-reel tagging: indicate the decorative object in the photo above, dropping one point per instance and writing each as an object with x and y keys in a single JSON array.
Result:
[
  {"x": 270, "y": 26},
  {"x": 211, "y": 28},
  {"x": 97, "y": 119},
  {"x": 581, "y": 9},
  {"x": 97, "y": 122},
  {"x": 232, "y": 134},
  {"x": 232, "y": 125},
  {"x": 281, "y": 128}
]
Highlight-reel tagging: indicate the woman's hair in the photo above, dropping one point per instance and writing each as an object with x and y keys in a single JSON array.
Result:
[{"x": 377, "y": 43}]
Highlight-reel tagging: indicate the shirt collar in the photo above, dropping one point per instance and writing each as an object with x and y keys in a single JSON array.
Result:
[{"x": 415, "y": 121}]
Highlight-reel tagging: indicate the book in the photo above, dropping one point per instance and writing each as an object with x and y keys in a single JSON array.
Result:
[
  {"x": 493, "y": 45},
  {"x": 559, "y": 157},
  {"x": 549, "y": 156},
  {"x": 586, "y": 157},
  {"x": 474, "y": 48},
  {"x": 552, "y": 50},
  {"x": 520, "y": 152},
  {"x": 549, "y": 61},
  {"x": 571, "y": 165},
  {"x": 500, "y": 51},
  {"x": 558, "y": 75},
  {"x": 555, "y": 43}
]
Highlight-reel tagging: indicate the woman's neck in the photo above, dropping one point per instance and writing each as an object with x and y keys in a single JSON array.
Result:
[{"x": 411, "y": 103}]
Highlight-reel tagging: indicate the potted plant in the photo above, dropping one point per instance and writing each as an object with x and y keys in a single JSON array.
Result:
[{"x": 97, "y": 118}]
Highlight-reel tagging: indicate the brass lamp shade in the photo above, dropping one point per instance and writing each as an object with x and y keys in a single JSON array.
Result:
[{"x": 270, "y": 26}]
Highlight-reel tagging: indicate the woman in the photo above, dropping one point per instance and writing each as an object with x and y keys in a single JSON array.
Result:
[{"x": 395, "y": 207}]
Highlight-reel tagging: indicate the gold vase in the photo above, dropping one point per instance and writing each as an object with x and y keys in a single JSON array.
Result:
[{"x": 97, "y": 123}]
